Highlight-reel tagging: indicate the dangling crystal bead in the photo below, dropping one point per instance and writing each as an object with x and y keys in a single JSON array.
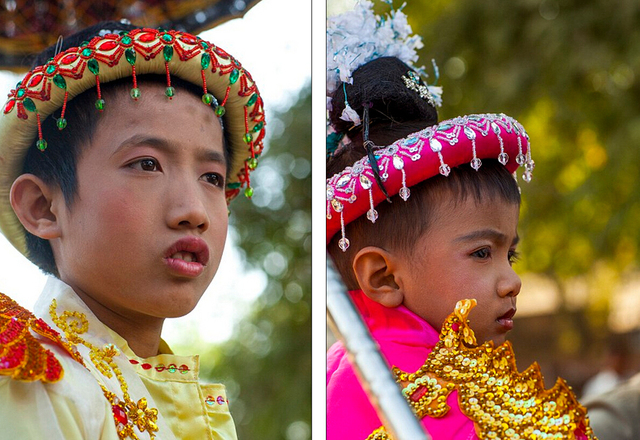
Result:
[
  {"x": 169, "y": 91},
  {"x": 337, "y": 206},
  {"x": 219, "y": 111},
  {"x": 41, "y": 144},
  {"x": 253, "y": 163},
  {"x": 444, "y": 169},
  {"x": 135, "y": 93},
  {"x": 503, "y": 158},
  {"x": 247, "y": 138},
  {"x": 61, "y": 123},
  {"x": 372, "y": 215},
  {"x": 248, "y": 192},
  {"x": 343, "y": 244},
  {"x": 476, "y": 163},
  {"x": 435, "y": 145},
  {"x": 100, "y": 104},
  {"x": 527, "y": 176},
  {"x": 207, "y": 98},
  {"x": 520, "y": 158},
  {"x": 404, "y": 193}
]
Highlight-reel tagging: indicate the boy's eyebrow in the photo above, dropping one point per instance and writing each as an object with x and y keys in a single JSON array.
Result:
[
  {"x": 490, "y": 234},
  {"x": 161, "y": 144}
]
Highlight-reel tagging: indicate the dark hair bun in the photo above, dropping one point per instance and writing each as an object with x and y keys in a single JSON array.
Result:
[{"x": 396, "y": 111}]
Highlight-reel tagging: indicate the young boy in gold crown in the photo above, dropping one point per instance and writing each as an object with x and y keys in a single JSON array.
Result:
[
  {"x": 422, "y": 225},
  {"x": 118, "y": 157}
]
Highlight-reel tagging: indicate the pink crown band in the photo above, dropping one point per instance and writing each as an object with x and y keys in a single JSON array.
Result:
[{"x": 435, "y": 150}]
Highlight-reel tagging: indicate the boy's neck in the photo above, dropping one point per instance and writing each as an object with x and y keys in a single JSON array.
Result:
[{"x": 142, "y": 333}]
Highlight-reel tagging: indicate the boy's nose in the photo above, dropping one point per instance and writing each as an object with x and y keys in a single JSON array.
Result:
[
  {"x": 509, "y": 284},
  {"x": 187, "y": 210}
]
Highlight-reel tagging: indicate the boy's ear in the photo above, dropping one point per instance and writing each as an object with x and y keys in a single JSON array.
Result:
[
  {"x": 377, "y": 273},
  {"x": 32, "y": 201}
]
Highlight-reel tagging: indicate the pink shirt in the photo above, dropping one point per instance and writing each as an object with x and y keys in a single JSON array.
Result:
[{"x": 405, "y": 340}]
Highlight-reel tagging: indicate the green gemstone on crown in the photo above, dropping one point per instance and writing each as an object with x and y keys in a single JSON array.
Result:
[
  {"x": 220, "y": 111},
  {"x": 167, "y": 37},
  {"x": 93, "y": 66},
  {"x": 100, "y": 104},
  {"x": 59, "y": 81},
  {"x": 86, "y": 52},
  {"x": 207, "y": 98},
  {"x": 130, "y": 55},
  {"x": 248, "y": 138},
  {"x": 50, "y": 69},
  {"x": 253, "y": 163},
  {"x": 135, "y": 93},
  {"x": 252, "y": 99},
  {"x": 29, "y": 104},
  {"x": 204, "y": 45},
  {"x": 167, "y": 52},
  {"x": 205, "y": 61},
  {"x": 234, "y": 185},
  {"x": 233, "y": 77},
  {"x": 126, "y": 40},
  {"x": 169, "y": 91},
  {"x": 84, "y": 43},
  {"x": 20, "y": 93},
  {"x": 41, "y": 144},
  {"x": 258, "y": 127},
  {"x": 61, "y": 123}
]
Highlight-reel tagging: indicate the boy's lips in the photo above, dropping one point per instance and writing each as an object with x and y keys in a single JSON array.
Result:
[
  {"x": 187, "y": 256},
  {"x": 506, "y": 320}
]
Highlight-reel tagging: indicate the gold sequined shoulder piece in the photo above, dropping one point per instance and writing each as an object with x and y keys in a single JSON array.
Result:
[
  {"x": 23, "y": 356},
  {"x": 502, "y": 403}
]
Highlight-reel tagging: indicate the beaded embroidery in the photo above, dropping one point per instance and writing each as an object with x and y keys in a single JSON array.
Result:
[
  {"x": 22, "y": 356},
  {"x": 429, "y": 152},
  {"x": 503, "y": 403},
  {"x": 127, "y": 414}
]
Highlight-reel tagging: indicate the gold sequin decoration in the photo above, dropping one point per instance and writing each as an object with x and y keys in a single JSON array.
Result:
[
  {"x": 503, "y": 403},
  {"x": 127, "y": 414}
]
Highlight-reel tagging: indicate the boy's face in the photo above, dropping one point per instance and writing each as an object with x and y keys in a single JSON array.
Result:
[
  {"x": 145, "y": 233},
  {"x": 467, "y": 252}
]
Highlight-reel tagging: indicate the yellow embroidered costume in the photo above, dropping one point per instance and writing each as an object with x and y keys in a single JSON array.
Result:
[{"x": 68, "y": 401}]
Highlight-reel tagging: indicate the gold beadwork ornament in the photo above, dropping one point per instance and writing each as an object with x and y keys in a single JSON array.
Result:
[
  {"x": 502, "y": 403},
  {"x": 127, "y": 414},
  {"x": 22, "y": 356}
]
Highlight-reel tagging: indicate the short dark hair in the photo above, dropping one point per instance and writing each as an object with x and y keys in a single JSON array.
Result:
[
  {"x": 400, "y": 224},
  {"x": 57, "y": 164}
]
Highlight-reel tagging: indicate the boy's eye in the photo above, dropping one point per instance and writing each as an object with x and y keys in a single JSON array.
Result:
[
  {"x": 146, "y": 164},
  {"x": 483, "y": 253},
  {"x": 214, "y": 179},
  {"x": 513, "y": 256}
]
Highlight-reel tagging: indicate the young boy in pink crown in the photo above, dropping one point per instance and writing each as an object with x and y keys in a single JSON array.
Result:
[
  {"x": 429, "y": 270},
  {"x": 119, "y": 154}
]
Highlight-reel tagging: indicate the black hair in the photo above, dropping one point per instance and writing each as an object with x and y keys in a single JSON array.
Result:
[
  {"x": 397, "y": 112},
  {"x": 57, "y": 164}
]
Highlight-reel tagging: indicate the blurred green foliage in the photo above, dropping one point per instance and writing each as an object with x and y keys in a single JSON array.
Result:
[
  {"x": 569, "y": 71},
  {"x": 266, "y": 365}
]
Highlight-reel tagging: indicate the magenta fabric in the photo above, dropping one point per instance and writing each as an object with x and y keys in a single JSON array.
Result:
[{"x": 405, "y": 341}]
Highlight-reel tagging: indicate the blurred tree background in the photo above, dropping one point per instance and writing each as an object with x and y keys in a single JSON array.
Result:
[
  {"x": 569, "y": 71},
  {"x": 266, "y": 364}
]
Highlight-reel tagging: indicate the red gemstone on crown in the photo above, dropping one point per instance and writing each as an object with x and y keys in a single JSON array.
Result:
[{"x": 108, "y": 45}]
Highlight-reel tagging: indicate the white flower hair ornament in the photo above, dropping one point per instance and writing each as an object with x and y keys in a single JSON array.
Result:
[{"x": 356, "y": 37}]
